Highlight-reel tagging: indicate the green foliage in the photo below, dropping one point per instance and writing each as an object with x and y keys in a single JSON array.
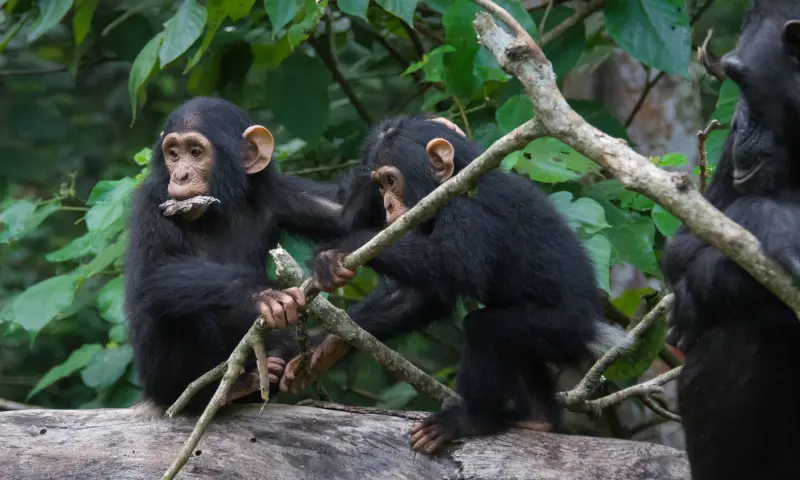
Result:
[{"x": 114, "y": 71}]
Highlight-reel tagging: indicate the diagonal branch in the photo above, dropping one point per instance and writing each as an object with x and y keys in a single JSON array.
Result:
[{"x": 521, "y": 57}]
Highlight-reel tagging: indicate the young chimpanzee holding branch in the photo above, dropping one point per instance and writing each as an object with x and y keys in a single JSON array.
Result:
[
  {"x": 196, "y": 280},
  {"x": 506, "y": 247}
]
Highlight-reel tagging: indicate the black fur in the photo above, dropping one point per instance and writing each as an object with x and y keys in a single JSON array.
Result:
[
  {"x": 189, "y": 284},
  {"x": 741, "y": 342},
  {"x": 506, "y": 247}
]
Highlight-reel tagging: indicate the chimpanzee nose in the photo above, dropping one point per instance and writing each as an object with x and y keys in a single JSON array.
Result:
[{"x": 181, "y": 177}]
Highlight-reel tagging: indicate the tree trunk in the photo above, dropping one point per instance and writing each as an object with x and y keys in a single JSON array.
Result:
[{"x": 294, "y": 442}]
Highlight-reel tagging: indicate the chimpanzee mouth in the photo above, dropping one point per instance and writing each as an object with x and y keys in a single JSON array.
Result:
[{"x": 744, "y": 175}]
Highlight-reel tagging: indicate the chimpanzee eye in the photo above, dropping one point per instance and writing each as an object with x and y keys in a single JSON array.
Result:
[
  {"x": 173, "y": 154},
  {"x": 390, "y": 180},
  {"x": 196, "y": 152}
]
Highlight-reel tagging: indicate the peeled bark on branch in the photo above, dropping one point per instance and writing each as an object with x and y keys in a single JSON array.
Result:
[{"x": 292, "y": 442}]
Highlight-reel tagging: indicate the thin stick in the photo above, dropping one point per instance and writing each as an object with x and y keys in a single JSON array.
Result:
[
  {"x": 644, "y": 389},
  {"x": 463, "y": 115},
  {"x": 654, "y": 406},
  {"x": 326, "y": 168},
  {"x": 263, "y": 369},
  {"x": 207, "y": 378},
  {"x": 544, "y": 17},
  {"x": 702, "y": 136},
  {"x": 591, "y": 380},
  {"x": 235, "y": 368}
]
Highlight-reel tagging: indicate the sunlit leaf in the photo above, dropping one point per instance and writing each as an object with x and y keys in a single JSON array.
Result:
[
  {"x": 23, "y": 217},
  {"x": 40, "y": 304},
  {"x": 403, "y": 9},
  {"x": 217, "y": 11},
  {"x": 51, "y": 12},
  {"x": 105, "y": 258},
  {"x": 666, "y": 223},
  {"x": 107, "y": 366},
  {"x": 634, "y": 363},
  {"x": 182, "y": 30},
  {"x": 111, "y": 300},
  {"x": 77, "y": 360},
  {"x": 109, "y": 201},
  {"x": 89, "y": 243},
  {"x": 82, "y": 20},
  {"x": 142, "y": 157},
  {"x": 549, "y": 160},
  {"x": 672, "y": 160},
  {"x": 142, "y": 66},
  {"x": 280, "y": 13},
  {"x": 655, "y": 32},
  {"x": 599, "y": 249},
  {"x": 584, "y": 214},
  {"x": 354, "y": 7},
  {"x": 427, "y": 57}
]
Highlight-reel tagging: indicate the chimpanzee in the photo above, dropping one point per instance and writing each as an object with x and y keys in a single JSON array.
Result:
[
  {"x": 506, "y": 247},
  {"x": 740, "y": 341},
  {"x": 196, "y": 281}
]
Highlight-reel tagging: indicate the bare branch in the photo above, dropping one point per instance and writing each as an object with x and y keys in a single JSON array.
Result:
[
  {"x": 654, "y": 406},
  {"x": 209, "y": 377},
  {"x": 554, "y": 117},
  {"x": 710, "y": 61},
  {"x": 581, "y": 13},
  {"x": 12, "y": 405},
  {"x": 644, "y": 389}
]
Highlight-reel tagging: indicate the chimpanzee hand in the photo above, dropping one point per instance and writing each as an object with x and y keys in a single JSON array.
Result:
[
  {"x": 324, "y": 356},
  {"x": 275, "y": 368},
  {"x": 280, "y": 308},
  {"x": 329, "y": 272}
]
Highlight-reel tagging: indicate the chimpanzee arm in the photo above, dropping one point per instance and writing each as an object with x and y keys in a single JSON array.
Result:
[
  {"x": 309, "y": 209},
  {"x": 392, "y": 310}
]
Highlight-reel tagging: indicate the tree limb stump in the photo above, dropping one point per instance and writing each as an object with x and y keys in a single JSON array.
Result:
[{"x": 294, "y": 442}]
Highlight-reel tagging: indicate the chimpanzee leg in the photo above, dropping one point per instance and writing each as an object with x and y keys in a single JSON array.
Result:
[{"x": 502, "y": 383}]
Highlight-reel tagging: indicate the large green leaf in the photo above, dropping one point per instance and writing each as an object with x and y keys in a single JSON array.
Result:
[
  {"x": 583, "y": 215},
  {"x": 458, "y": 66},
  {"x": 299, "y": 31},
  {"x": 599, "y": 249},
  {"x": 182, "y": 30},
  {"x": 634, "y": 363},
  {"x": 51, "y": 12},
  {"x": 141, "y": 69},
  {"x": 516, "y": 111},
  {"x": 23, "y": 217},
  {"x": 108, "y": 199},
  {"x": 726, "y": 102},
  {"x": 77, "y": 360},
  {"x": 666, "y": 223},
  {"x": 403, "y": 9},
  {"x": 38, "y": 305},
  {"x": 280, "y": 13},
  {"x": 107, "y": 366},
  {"x": 111, "y": 300},
  {"x": 90, "y": 243},
  {"x": 357, "y": 8},
  {"x": 82, "y": 20},
  {"x": 656, "y": 32},
  {"x": 105, "y": 258},
  {"x": 217, "y": 12},
  {"x": 548, "y": 160},
  {"x": 633, "y": 243},
  {"x": 306, "y": 111},
  {"x": 434, "y": 55}
]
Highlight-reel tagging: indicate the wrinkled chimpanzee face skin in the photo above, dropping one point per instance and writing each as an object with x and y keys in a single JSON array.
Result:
[
  {"x": 391, "y": 185},
  {"x": 189, "y": 158},
  {"x": 766, "y": 125}
]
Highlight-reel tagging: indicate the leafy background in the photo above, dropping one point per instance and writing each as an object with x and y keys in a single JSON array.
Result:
[{"x": 85, "y": 85}]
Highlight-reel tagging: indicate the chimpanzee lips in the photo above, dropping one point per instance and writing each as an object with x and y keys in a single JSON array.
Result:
[{"x": 744, "y": 175}]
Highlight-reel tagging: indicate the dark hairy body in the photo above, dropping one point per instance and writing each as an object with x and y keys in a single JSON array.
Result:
[
  {"x": 194, "y": 286},
  {"x": 741, "y": 342},
  {"x": 506, "y": 247}
]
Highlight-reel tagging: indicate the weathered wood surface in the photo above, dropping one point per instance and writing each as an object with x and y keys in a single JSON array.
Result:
[{"x": 294, "y": 442}]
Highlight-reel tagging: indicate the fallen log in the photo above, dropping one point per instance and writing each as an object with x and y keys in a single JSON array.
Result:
[{"x": 295, "y": 442}]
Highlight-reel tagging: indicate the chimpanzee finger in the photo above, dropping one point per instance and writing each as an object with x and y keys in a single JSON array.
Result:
[
  {"x": 275, "y": 368},
  {"x": 277, "y": 360},
  {"x": 266, "y": 314},
  {"x": 290, "y": 308},
  {"x": 273, "y": 378},
  {"x": 278, "y": 315},
  {"x": 298, "y": 295}
]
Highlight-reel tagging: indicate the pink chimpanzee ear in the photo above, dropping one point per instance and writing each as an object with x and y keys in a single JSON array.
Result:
[
  {"x": 791, "y": 33},
  {"x": 442, "y": 156},
  {"x": 261, "y": 146}
]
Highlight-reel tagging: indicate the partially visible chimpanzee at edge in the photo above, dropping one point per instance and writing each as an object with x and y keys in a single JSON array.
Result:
[
  {"x": 741, "y": 342},
  {"x": 195, "y": 282},
  {"x": 506, "y": 247}
]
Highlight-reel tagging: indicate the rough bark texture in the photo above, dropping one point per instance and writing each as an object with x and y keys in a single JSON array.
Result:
[{"x": 293, "y": 442}]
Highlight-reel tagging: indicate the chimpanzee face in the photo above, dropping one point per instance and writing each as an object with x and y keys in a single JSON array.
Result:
[
  {"x": 766, "y": 67},
  {"x": 391, "y": 185},
  {"x": 189, "y": 157}
]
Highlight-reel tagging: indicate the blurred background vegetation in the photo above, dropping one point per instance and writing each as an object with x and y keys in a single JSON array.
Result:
[{"x": 86, "y": 84}]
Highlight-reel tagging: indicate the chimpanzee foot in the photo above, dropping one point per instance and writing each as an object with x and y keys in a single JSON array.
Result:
[{"x": 429, "y": 435}]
